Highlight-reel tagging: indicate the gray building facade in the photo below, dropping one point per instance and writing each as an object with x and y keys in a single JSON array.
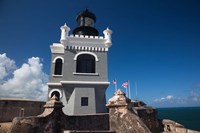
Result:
[{"x": 79, "y": 74}]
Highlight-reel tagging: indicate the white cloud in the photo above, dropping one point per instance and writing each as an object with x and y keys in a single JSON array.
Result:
[
  {"x": 6, "y": 66},
  {"x": 192, "y": 99},
  {"x": 167, "y": 98},
  {"x": 28, "y": 82}
]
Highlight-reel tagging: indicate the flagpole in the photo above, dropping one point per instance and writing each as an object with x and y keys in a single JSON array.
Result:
[
  {"x": 115, "y": 85},
  {"x": 129, "y": 88},
  {"x": 126, "y": 91},
  {"x": 125, "y": 85},
  {"x": 135, "y": 90}
]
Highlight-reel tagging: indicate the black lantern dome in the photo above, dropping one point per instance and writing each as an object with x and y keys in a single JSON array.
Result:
[{"x": 86, "y": 21}]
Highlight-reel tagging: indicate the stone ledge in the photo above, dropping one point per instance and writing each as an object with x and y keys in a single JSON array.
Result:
[
  {"x": 171, "y": 126},
  {"x": 76, "y": 131}
]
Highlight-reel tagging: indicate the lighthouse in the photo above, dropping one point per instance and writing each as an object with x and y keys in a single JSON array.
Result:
[{"x": 79, "y": 67}]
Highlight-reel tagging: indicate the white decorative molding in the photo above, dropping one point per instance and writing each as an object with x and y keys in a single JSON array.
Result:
[
  {"x": 57, "y": 75},
  {"x": 64, "y": 32},
  {"x": 80, "y": 53},
  {"x": 55, "y": 90},
  {"x": 86, "y": 36},
  {"x": 107, "y": 35},
  {"x": 86, "y": 82},
  {"x": 58, "y": 57},
  {"x": 86, "y": 74},
  {"x": 57, "y": 48},
  {"x": 54, "y": 84},
  {"x": 81, "y": 40},
  {"x": 87, "y": 48}
]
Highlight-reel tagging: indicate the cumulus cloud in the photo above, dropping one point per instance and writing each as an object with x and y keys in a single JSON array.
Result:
[
  {"x": 27, "y": 82},
  {"x": 6, "y": 66}
]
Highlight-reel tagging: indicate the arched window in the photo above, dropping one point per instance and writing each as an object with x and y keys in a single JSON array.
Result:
[
  {"x": 57, "y": 94},
  {"x": 58, "y": 67},
  {"x": 85, "y": 63}
]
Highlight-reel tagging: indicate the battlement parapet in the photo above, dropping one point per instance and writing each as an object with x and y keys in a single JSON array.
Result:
[
  {"x": 87, "y": 48},
  {"x": 86, "y": 36}
]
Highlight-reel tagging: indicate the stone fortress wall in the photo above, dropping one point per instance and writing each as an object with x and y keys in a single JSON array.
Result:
[
  {"x": 10, "y": 108},
  {"x": 125, "y": 116}
]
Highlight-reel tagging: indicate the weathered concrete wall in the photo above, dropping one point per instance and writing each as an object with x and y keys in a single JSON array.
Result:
[
  {"x": 4, "y": 127},
  {"x": 77, "y": 131},
  {"x": 89, "y": 122},
  {"x": 53, "y": 120},
  {"x": 149, "y": 116},
  {"x": 126, "y": 122},
  {"x": 57, "y": 123},
  {"x": 122, "y": 117},
  {"x": 10, "y": 108},
  {"x": 174, "y": 127}
]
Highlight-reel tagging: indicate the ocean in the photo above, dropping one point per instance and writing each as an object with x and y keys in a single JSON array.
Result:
[{"x": 189, "y": 117}]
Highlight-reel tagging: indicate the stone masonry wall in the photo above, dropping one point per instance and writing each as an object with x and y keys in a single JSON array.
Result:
[
  {"x": 15, "y": 108},
  {"x": 174, "y": 127},
  {"x": 122, "y": 118},
  {"x": 126, "y": 122},
  {"x": 55, "y": 124},
  {"x": 53, "y": 120},
  {"x": 149, "y": 116}
]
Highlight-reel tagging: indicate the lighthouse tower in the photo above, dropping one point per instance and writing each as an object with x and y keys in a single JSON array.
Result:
[{"x": 79, "y": 75}]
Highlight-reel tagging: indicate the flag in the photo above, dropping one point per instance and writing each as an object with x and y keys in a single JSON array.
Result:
[
  {"x": 114, "y": 82},
  {"x": 125, "y": 84}
]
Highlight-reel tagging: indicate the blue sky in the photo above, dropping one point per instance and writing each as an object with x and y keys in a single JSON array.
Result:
[{"x": 155, "y": 43}]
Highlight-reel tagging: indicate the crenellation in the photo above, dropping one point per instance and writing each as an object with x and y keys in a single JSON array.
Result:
[
  {"x": 86, "y": 36},
  {"x": 75, "y": 47},
  {"x": 86, "y": 48}
]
